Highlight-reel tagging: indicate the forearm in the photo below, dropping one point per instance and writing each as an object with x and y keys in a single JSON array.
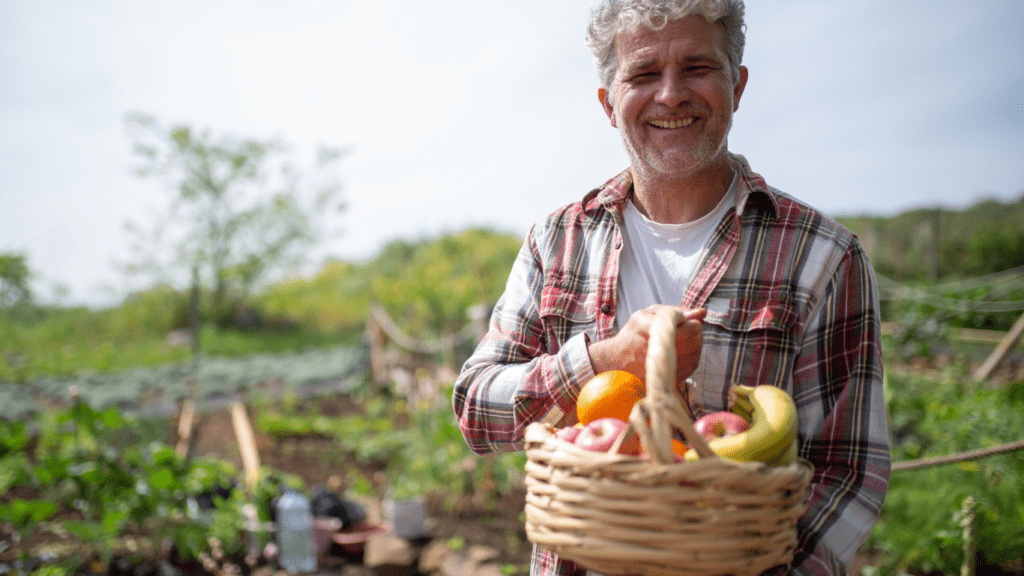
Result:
[
  {"x": 523, "y": 371},
  {"x": 845, "y": 503},
  {"x": 496, "y": 398},
  {"x": 846, "y": 499},
  {"x": 844, "y": 426}
]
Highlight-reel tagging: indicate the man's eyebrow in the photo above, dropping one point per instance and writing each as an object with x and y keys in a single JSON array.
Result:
[
  {"x": 709, "y": 57},
  {"x": 640, "y": 63},
  {"x": 645, "y": 61}
]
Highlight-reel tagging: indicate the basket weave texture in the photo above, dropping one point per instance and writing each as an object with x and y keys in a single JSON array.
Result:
[{"x": 620, "y": 514}]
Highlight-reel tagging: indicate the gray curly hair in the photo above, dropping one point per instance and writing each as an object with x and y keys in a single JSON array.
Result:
[{"x": 614, "y": 16}]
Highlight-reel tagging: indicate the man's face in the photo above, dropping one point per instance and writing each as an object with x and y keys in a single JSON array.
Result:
[{"x": 673, "y": 97}]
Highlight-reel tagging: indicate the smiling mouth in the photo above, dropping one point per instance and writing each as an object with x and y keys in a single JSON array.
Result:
[{"x": 672, "y": 124}]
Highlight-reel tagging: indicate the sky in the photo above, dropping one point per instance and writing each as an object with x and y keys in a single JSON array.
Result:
[{"x": 462, "y": 113}]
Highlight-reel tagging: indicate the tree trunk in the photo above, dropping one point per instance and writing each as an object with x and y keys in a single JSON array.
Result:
[{"x": 194, "y": 318}]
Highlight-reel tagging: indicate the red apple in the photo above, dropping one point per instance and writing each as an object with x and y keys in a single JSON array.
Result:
[
  {"x": 599, "y": 435},
  {"x": 569, "y": 433},
  {"x": 720, "y": 425}
]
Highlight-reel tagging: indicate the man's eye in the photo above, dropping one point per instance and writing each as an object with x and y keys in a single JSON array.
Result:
[
  {"x": 640, "y": 76},
  {"x": 699, "y": 70}
]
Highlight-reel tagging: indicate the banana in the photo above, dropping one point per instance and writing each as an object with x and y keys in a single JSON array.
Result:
[
  {"x": 772, "y": 434},
  {"x": 788, "y": 457}
]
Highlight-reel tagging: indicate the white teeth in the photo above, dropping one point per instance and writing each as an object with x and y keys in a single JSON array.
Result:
[{"x": 670, "y": 124}]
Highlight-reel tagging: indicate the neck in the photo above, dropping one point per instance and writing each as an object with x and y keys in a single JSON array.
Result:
[{"x": 678, "y": 200}]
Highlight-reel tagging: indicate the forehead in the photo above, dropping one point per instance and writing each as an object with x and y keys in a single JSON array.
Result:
[{"x": 689, "y": 36}]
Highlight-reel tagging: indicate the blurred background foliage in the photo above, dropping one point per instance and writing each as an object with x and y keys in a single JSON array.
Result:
[
  {"x": 426, "y": 287},
  {"x": 933, "y": 244},
  {"x": 940, "y": 272}
]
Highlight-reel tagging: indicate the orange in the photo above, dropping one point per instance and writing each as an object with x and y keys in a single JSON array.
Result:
[
  {"x": 678, "y": 448},
  {"x": 609, "y": 394}
]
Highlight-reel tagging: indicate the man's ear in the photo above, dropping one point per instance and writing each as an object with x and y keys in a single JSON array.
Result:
[
  {"x": 606, "y": 103},
  {"x": 737, "y": 90}
]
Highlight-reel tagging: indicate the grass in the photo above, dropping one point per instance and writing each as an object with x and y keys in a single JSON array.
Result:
[
  {"x": 63, "y": 342},
  {"x": 920, "y": 530}
]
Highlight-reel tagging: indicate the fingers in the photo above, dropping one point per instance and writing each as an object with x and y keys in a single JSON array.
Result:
[
  {"x": 689, "y": 341},
  {"x": 689, "y": 331},
  {"x": 627, "y": 350},
  {"x": 696, "y": 314},
  {"x": 646, "y": 316},
  {"x": 688, "y": 349},
  {"x": 688, "y": 313},
  {"x": 689, "y": 336}
]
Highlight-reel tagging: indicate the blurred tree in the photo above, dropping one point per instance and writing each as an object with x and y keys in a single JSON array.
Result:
[
  {"x": 14, "y": 275},
  {"x": 240, "y": 208}
]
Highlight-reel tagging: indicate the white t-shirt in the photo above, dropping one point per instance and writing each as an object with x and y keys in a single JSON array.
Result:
[{"x": 657, "y": 260}]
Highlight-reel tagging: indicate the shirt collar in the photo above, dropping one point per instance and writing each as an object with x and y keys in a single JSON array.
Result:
[{"x": 750, "y": 187}]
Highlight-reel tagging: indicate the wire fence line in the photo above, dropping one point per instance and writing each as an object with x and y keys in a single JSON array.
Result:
[
  {"x": 1000, "y": 283},
  {"x": 968, "y": 284}
]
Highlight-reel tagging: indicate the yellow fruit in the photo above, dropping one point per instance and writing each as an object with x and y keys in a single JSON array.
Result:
[
  {"x": 773, "y": 427},
  {"x": 788, "y": 457}
]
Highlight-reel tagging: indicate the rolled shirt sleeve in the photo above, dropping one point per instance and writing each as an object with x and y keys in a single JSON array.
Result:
[{"x": 518, "y": 375}]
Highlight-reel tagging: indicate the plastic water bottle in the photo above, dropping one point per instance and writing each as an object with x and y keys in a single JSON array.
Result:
[{"x": 296, "y": 552}]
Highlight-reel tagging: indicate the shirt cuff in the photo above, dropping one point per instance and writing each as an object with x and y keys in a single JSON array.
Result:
[
  {"x": 575, "y": 361},
  {"x": 579, "y": 359}
]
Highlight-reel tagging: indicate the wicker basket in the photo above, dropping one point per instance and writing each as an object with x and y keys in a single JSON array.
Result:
[{"x": 619, "y": 514}]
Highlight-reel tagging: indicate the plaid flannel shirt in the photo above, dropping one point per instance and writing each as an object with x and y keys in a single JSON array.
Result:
[{"x": 791, "y": 301}]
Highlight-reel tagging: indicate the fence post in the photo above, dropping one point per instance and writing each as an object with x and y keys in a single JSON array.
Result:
[
  {"x": 376, "y": 339},
  {"x": 968, "y": 523},
  {"x": 194, "y": 320},
  {"x": 990, "y": 364}
]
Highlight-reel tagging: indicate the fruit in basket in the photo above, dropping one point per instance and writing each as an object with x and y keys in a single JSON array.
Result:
[
  {"x": 720, "y": 425},
  {"x": 678, "y": 452},
  {"x": 600, "y": 435},
  {"x": 609, "y": 394},
  {"x": 569, "y": 433},
  {"x": 788, "y": 457},
  {"x": 773, "y": 427}
]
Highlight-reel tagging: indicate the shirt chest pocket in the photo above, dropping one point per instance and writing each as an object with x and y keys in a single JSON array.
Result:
[
  {"x": 566, "y": 313},
  {"x": 753, "y": 340}
]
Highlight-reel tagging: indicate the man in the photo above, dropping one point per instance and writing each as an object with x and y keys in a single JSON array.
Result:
[{"x": 774, "y": 292}]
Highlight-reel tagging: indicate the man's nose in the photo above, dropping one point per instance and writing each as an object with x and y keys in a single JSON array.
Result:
[{"x": 673, "y": 90}]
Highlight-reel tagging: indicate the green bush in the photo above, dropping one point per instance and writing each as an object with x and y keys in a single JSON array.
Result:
[
  {"x": 108, "y": 476},
  {"x": 428, "y": 287},
  {"x": 919, "y": 531},
  {"x": 420, "y": 448}
]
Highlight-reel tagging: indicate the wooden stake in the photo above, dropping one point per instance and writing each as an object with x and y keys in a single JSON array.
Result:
[
  {"x": 246, "y": 444},
  {"x": 968, "y": 523},
  {"x": 186, "y": 425},
  {"x": 1001, "y": 350}
]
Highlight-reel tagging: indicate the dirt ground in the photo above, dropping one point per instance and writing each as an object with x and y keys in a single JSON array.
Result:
[
  {"x": 497, "y": 526},
  {"x": 304, "y": 456}
]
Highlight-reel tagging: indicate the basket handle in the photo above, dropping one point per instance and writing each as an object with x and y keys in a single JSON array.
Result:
[{"x": 663, "y": 404}]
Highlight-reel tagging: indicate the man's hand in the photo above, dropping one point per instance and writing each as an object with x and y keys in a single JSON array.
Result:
[{"x": 627, "y": 350}]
